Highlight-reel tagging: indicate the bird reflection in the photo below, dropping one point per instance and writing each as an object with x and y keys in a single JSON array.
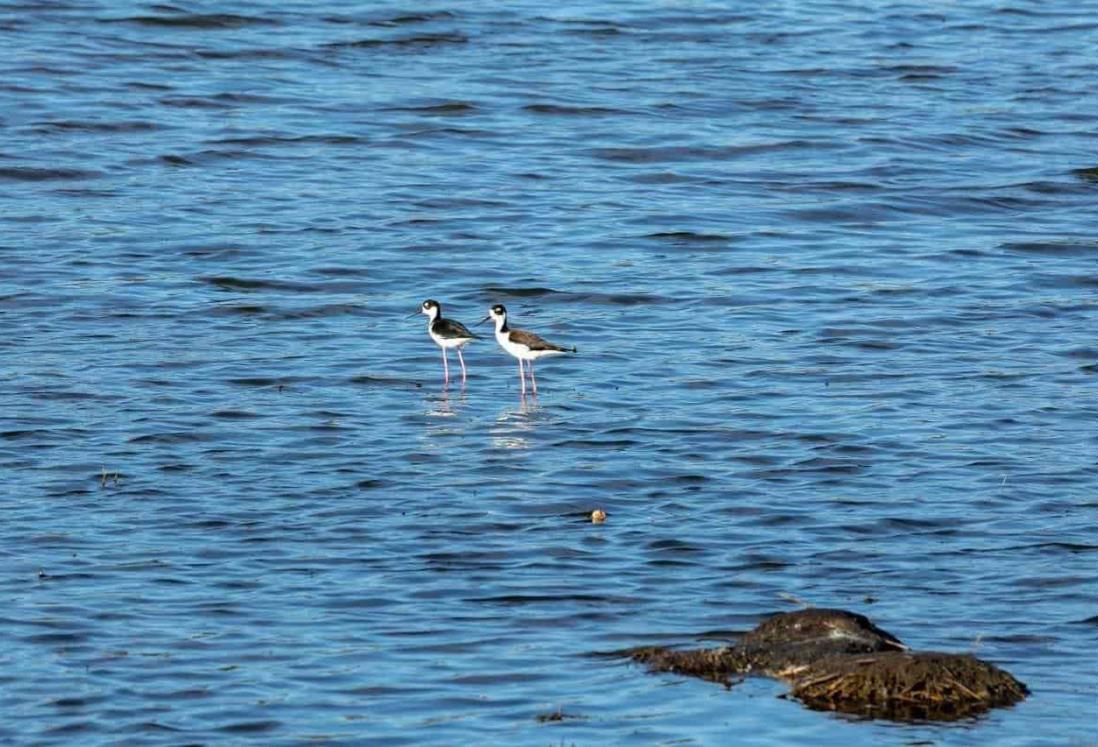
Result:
[
  {"x": 515, "y": 424},
  {"x": 442, "y": 405}
]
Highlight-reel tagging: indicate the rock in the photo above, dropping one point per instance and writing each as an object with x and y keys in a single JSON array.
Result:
[
  {"x": 924, "y": 686},
  {"x": 840, "y": 661}
]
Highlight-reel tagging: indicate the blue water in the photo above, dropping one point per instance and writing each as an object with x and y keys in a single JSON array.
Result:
[{"x": 830, "y": 268}]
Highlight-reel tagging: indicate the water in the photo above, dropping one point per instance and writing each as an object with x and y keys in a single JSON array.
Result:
[{"x": 831, "y": 273}]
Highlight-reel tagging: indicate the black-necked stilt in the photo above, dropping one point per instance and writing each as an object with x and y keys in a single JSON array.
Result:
[
  {"x": 526, "y": 346},
  {"x": 446, "y": 333}
]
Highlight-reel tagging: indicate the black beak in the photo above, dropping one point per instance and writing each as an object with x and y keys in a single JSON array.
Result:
[
  {"x": 414, "y": 313},
  {"x": 482, "y": 321}
]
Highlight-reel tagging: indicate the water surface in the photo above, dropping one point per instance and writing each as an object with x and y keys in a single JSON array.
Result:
[{"x": 831, "y": 270}]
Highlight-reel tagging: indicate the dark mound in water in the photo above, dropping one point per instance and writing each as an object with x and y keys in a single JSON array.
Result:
[
  {"x": 840, "y": 661},
  {"x": 906, "y": 686}
]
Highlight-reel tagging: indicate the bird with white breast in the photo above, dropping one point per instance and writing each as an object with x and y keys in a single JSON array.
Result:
[
  {"x": 447, "y": 333},
  {"x": 526, "y": 346}
]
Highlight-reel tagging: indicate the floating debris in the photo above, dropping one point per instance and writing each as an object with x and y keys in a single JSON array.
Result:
[
  {"x": 557, "y": 715},
  {"x": 598, "y": 516},
  {"x": 109, "y": 478}
]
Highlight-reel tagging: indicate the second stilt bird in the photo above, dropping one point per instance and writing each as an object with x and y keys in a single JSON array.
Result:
[{"x": 526, "y": 346}]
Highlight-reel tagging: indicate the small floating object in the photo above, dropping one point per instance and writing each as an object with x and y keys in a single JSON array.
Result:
[
  {"x": 557, "y": 715},
  {"x": 598, "y": 516},
  {"x": 106, "y": 478}
]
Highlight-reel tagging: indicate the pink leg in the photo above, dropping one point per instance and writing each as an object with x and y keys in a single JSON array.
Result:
[
  {"x": 462, "y": 360},
  {"x": 522, "y": 376},
  {"x": 445, "y": 366},
  {"x": 532, "y": 379}
]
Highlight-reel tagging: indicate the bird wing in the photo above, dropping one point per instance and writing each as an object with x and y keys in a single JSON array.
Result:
[
  {"x": 533, "y": 342},
  {"x": 450, "y": 328}
]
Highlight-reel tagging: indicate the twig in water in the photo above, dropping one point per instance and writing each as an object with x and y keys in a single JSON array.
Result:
[
  {"x": 111, "y": 477},
  {"x": 794, "y": 599}
]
